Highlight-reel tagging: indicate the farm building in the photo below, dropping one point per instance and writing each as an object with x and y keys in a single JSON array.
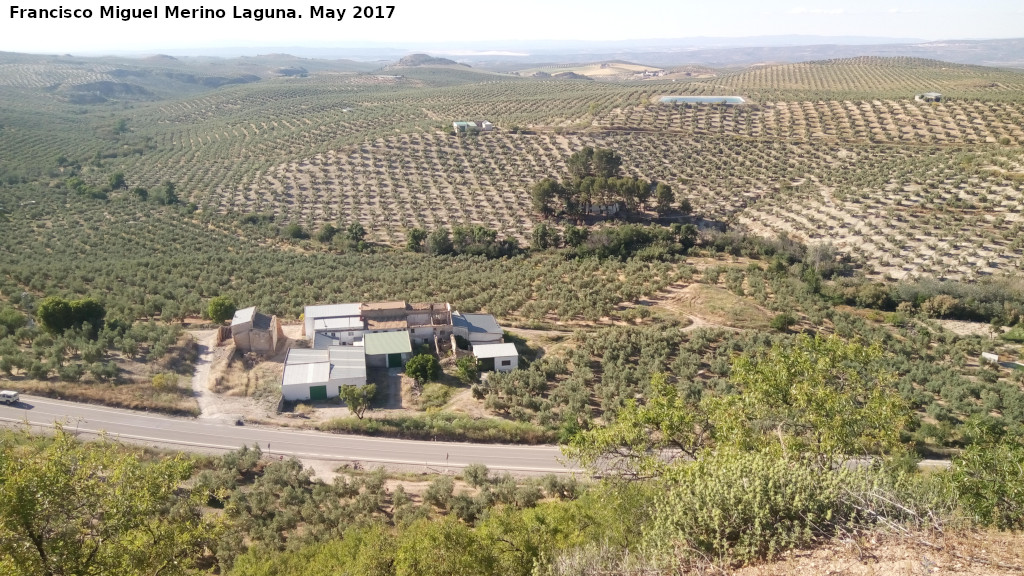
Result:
[
  {"x": 344, "y": 331},
  {"x": 929, "y": 97},
  {"x": 428, "y": 321},
  {"x": 385, "y": 316},
  {"x": 320, "y": 374},
  {"x": 348, "y": 338},
  {"x": 325, "y": 313},
  {"x": 387, "y": 349},
  {"x": 255, "y": 332},
  {"x": 604, "y": 209},
  {"x": 463, "y": 126},
  {"x": 497, "y": 357},
  {"x": 347, "y": 324},
  {"x": 477, "y": 328}
]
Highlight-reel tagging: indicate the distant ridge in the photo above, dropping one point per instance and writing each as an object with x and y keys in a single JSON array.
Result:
[{"x": 427, "y": 60}]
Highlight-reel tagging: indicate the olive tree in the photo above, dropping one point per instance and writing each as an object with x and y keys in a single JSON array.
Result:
[
  {"x": 92, "y": 508},
  {"x": 358, "y": 398}
]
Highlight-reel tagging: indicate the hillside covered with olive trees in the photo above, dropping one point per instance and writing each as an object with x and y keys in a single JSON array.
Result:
[{"x": 718, "y": 308}]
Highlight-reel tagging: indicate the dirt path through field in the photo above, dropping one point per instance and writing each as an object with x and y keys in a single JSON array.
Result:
[{"x": 205, "y": 343}]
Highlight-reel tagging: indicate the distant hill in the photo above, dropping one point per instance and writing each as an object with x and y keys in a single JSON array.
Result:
[
  {"x": 427, "y": 60},
  {"x": 571, "y": 76}
]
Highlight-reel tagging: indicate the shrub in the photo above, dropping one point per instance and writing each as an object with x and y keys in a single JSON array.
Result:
[
  {"x": 435, "y": 395},
  {"x": 469, "y": 369},
  {"x": 12, "y": 319},
  {"x": 295, "y": 231},
  {"x": 1015, "y": 335},
  {"x": 444, "y": 426},
  {"x": 783, "y": 321},
  {"x": 988, "y": 480},
  {"x": 476, "y": 475},
  {"x": 439, "y": 492},
  {"x": 736, "y": 507},
  {"x": 165, "y": 382}
]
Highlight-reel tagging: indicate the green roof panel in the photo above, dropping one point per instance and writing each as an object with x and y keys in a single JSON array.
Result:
[{"x": 387, "y": 343}]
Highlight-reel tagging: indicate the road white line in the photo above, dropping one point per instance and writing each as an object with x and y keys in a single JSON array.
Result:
[{"x": 300, "y": 455}]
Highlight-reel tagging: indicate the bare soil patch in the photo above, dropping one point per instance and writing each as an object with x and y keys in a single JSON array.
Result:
[
  {"x": 717, "y": 306},
  {"x": 981, "y": 553}
]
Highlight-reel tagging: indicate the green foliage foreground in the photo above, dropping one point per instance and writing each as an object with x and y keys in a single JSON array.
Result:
[
  {"x": 72, "y": 508},
  {"x": 804, "y": 455}
]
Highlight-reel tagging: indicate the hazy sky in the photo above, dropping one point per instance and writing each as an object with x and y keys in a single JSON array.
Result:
[{"x": 439, "y": 21}]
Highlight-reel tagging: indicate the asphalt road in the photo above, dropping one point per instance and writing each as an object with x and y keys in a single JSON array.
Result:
[{"x": 214, "y": 437}]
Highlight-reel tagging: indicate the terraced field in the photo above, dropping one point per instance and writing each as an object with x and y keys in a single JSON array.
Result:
[{"x": 833, "y": 151}]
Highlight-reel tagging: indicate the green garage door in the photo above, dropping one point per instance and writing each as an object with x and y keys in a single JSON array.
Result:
[
  {"x": 395, "y": 360},
  {"x": 318, "y": 392}
]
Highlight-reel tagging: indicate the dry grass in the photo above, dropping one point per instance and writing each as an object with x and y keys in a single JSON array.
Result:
[
  {"x": 134, "y": 395},
  {"x": 975, "y": 553},
  {"x": 717, "y": 306}
]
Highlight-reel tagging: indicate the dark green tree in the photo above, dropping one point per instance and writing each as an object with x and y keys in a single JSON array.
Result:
[
  {"x": 168, "y": 194},
  {"x": 575, "y": 236},
  {"x": 684, "y": 205},
  {"x": 88, "y": 311},
  {"x": 326, "y": 233},
  {"x": 664, "y": 196},
  {"x": 415, "y": 238},
  {"x": 439, "y": 243},
  {"x": 580, "y": 164},
  {"x": 423, "y": 368},
  {"x": 544, "y": 237},
  {"x": 543, "y": 194},
  {"x": 295, "y": 231},
  {"x": 117, "y": 181},
  {"x": 355, "y": 232},
  {"x": 606, "y": 163},
  {"x": 54, "y": 313},
  {"x": 220, "y": 309}
]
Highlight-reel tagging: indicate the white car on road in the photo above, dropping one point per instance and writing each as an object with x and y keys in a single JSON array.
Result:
[{"x": 9, "y": 397}]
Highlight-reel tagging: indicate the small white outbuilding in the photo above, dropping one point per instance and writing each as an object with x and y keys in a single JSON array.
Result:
[{"x": 497, "y": 357}]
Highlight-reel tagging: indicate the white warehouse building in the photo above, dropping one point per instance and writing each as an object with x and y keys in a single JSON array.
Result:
[{"x": 320, "y": 374}]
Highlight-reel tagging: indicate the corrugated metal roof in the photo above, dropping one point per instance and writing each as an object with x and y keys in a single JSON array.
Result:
[
  {"x": 346, "y": 354},
  {"x": 332, "y": 310},
  {"x": 244, "y": 315},
  {"x": 315, "y": 373},
  {"x": 338, "y": 323},
  {"x": 305, "y": 356},
  {"x": 322, "y": 341},
  {"x": 347, "y": 362},
  {"x": 477, "y": 323},
  {"x": 387, "y": 343},
  {"x": 495, "y": 350}
]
